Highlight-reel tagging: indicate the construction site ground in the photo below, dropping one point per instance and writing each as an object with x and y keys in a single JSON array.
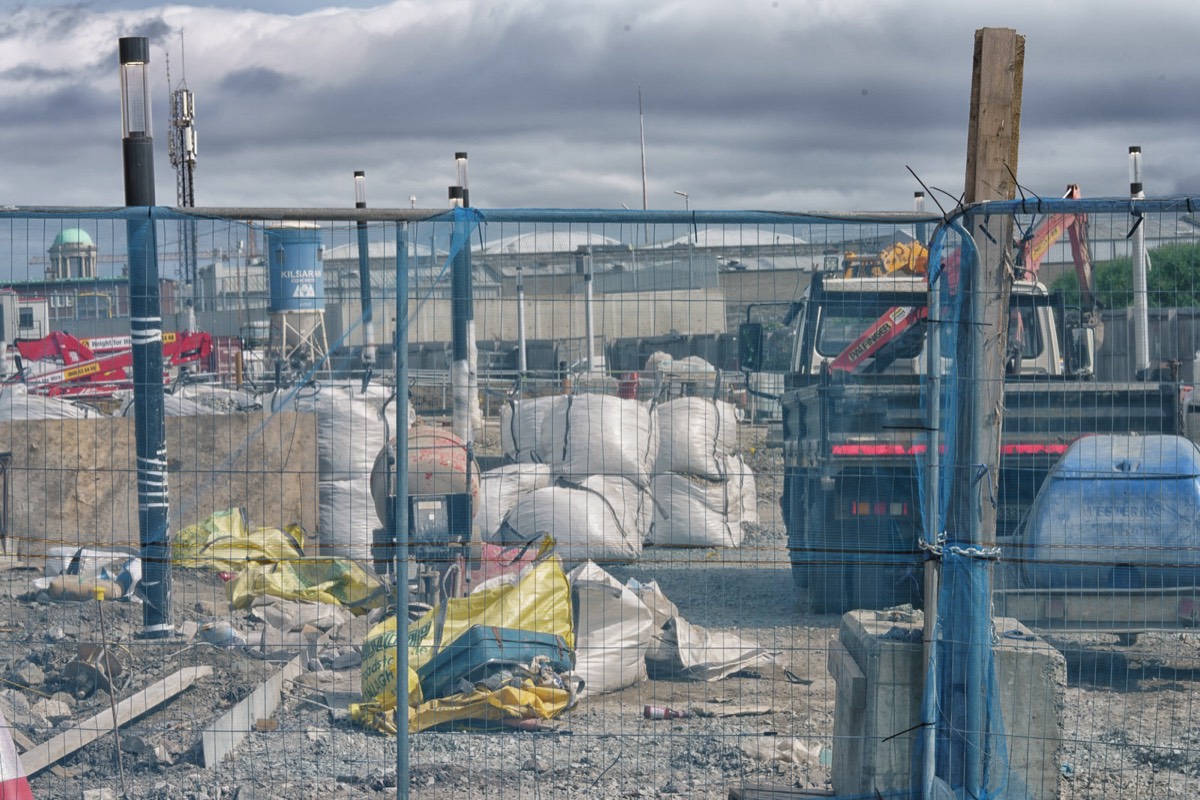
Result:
[{"x": 1123, "y": 704}]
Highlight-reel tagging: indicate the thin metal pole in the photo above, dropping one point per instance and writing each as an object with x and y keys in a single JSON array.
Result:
[
  {"x": 522, "y": 362},
  {"x": 364, "y": 280},
  {"x": 400, "y": 512},
  {"x": 589, "y": 319},
  {"x": 1141, "y": 313},
  {"x": 933, "y": 527},
  {"x": 642, "y": 132},
  {"x": 460, "y": 300}
]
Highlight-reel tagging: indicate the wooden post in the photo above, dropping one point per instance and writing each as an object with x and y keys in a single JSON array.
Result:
[{"x": 992, "y": 141}]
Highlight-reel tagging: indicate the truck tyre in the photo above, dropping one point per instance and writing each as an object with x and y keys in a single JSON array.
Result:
[
  {"x": 791, "y": 504},
  {"x": 876, "y": 582},
  {"x": 828, "y": 576}
]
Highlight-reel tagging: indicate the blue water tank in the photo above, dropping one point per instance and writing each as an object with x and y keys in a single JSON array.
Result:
[
  {"x": 1120, "y": 512},
  {"x": 295, "y": 267}
]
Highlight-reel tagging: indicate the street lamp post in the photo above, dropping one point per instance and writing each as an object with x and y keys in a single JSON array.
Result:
[
  {"x": 364, "y": 280},
  {"x": 145, "y": 328},
  {"x": 687, "y": 206}
]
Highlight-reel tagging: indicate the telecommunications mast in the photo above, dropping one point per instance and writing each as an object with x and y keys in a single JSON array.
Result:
[{"x": 181, "y": 147}]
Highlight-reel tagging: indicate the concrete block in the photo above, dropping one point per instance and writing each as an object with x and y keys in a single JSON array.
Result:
[{"x": 877, "y": 663}]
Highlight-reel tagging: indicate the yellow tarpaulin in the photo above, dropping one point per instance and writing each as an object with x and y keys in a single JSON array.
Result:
[
  {"x": 314, "y": 580},
  {"x": 527, "y": 701},
  {"x": 538, "y": 599},
  {"x": 224, "y": 542}
]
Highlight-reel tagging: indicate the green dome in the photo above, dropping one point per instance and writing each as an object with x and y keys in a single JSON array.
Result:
[{"x": 73, "y": 236}]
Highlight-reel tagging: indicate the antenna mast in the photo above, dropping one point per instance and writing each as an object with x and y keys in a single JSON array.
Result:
[{"x": 181, "y": 147}]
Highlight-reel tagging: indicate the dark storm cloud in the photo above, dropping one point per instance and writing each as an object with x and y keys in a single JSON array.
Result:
[
  {"x": 68, "y": 106},
  {"x": 255, "y": 81},
  {"x": 34, "y": 72},
  {"x": 157, "y": 31},
  {"x": 798, "y": 105}
]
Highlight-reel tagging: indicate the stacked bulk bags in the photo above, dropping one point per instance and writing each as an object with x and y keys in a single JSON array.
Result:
[
  {"x": 350, "y": 433},
  {"x": 702, "y": 491},
  {"x": 499, "y": 491},
  {"x": 598, "y": 452}
]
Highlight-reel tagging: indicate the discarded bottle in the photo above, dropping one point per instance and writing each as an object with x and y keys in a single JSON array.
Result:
[{"x": 662, "y": 712}]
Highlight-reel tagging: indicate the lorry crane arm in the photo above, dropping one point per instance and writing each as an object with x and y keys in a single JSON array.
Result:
[
  {"x": 1036, "y": 243},
  {"x": 75, "y": 368}
]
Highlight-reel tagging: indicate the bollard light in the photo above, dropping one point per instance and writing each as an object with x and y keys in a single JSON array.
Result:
[
  {"x": 460, "y": 172},
  {"x": 135, "y": 86},
  {"x": 360, "y": 189},
  {"x": 136, "y": 142}
]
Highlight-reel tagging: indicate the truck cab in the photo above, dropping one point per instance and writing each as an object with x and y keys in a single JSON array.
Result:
[{"x": 839, "y": 316}]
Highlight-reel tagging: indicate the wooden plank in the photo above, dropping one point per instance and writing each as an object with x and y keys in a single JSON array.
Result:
[
  {"x": 765, "y": 791},
  {"x": 26, "y": 744},
  {"x": 130, "y": 708},
  {"x": 223, "y": 736}
]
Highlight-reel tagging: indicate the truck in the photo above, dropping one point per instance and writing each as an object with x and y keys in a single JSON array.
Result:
[{"x": 854, "y": 432}]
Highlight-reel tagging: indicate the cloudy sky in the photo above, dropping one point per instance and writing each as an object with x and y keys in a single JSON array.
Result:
[{"x": 749, "y": 104}]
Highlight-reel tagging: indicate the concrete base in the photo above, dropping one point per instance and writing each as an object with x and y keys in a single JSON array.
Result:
[{"x": 877, "y": 663}]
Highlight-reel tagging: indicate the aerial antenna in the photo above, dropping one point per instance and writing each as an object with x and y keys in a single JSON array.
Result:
[{"x": 181, "y": 147}]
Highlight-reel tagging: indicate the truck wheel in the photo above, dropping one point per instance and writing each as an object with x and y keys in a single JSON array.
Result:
[
  {"x": 875, "y": 582},
  {"x": 878, "y": 586},
  {"x": 791, "y": 505},
  {"x": 828, "y": 576}
]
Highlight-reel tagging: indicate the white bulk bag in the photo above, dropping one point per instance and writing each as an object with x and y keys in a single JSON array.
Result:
[
  {"x": 582, "y": 522},
  {"x": 603, "y": 435},
  {"x": 632, "y": 504},
  {"x": 694, "y": 512},
  {"x": 499, "y": 491},
  {"x": 612, "y": 631},
  {"x": 350, "y": 433},
  {"x": 694, "y": 433},
  {"x": 525, "y": 434}
]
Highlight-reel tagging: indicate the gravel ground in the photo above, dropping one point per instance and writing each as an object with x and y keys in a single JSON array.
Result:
[{"x": 1129, "y": 716}]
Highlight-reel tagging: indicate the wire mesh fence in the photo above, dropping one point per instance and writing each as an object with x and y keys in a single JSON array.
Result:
[{"x": 676, "y": 490}]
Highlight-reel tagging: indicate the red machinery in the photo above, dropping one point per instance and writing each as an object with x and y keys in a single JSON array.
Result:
[{"x": 61, "y": 365}]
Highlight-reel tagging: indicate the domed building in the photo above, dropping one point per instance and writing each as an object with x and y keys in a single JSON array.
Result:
[{"x": 73, "y": 255}]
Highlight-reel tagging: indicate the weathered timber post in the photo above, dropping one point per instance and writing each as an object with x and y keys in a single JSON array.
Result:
[{"x": 992, "y": 145}]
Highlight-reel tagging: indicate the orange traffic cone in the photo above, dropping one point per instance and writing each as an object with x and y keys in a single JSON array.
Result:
[{"x": 13, "y": 783}]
